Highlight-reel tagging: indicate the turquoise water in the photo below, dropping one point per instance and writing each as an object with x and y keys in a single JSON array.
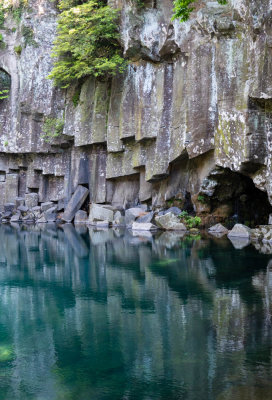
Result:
[{"x": 105, "y": 315}]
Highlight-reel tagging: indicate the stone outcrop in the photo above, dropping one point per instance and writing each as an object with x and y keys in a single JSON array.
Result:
[{"x": 189, "y": 121}]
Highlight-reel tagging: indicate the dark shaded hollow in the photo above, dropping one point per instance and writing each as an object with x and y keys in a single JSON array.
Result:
[{"x": 247, "y": 204}]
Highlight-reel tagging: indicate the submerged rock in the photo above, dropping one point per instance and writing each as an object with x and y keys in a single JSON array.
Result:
[
  {"x": 99, "y": 213},
  {"x": 169, "y": 222}
]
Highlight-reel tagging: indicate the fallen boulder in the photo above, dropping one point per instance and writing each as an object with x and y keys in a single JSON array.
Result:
[
  {"x": 174, "y": 210},
  {"x": 146, "y": 218},
  {"x": 15, "y": 218},
  {"x": 169, "y": 222},
  {"x": 81, "y": 217},
  {"x": 240, "y": 230},
  {"x": 99, "y": 213},
  {"x": 45, "y": 206},
  {"x": 131, "y": 214},
  {"x": 218, "y": 228},
  {"x": 75, "y": 203},
  {"x": 51, "y": 214},
  {"x": 118, "y": 219}
]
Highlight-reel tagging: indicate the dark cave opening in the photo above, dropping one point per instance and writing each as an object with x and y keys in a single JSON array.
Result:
[{"x": 237, "y": 200}]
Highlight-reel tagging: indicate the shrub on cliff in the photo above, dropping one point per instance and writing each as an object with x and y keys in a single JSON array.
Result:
[
  {"x": 87, "y": 42},
  {"x": 183, "y": 8}
]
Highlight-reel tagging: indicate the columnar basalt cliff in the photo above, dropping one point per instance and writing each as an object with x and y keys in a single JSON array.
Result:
[{"x": 189, "y": 121}]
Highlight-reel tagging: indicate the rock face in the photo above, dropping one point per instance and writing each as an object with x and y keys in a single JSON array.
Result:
[{"x": 189, "y": 116}]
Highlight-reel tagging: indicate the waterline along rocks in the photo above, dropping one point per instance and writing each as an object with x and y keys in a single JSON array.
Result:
[{"x": 188, "y": 124}]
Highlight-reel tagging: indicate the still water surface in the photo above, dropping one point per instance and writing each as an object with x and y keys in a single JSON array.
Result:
[{"x": 105, "y": 315}]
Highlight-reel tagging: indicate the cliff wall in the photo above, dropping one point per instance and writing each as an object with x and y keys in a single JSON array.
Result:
[{"x": 189, "y": 122}]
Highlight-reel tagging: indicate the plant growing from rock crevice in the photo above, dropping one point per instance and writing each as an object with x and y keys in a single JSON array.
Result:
[
  {"x": 183, "y": 9},
  {"x": 52, "y": 128},
  {"x": 87, "y": 43},
  {"x": 4, "y": 94},
  {"x": 189, "y": 221}
]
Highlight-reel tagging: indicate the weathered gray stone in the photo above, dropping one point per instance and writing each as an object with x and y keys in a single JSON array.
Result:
[
  {"x": 240, "y": 230},
  {"x": 99, "y": 213},
  {"x": 81, "y": 217},
  {"x": 15, "y": 218},
  {"x": 45, "y": 206},
  {"x": 7, "y": 215},
  {"x": 42, "y": 220},
  {"x": 169, "y": 222},
  {"x": 11, "y": 187},
  {"x": 218, "y": 228},
  {"x": 31, "y": 200},
  {"x": 174, "y": 210},
  {"x": 102, "y": 224},
  {"x": 146, "y": 218},
  {"x": 131, "y": 214},
  {"x": 51, "y": 214},
  {"x": 141, "y": 226},
  {"x": 9, "y": 207},
  {"x": 118, "y": 219},
  {"x": 23, "y": 209},
  {"x": 19, "y": 201},
  {"x": 75, "y": 203},
  {"x": 29, "y": 217}
]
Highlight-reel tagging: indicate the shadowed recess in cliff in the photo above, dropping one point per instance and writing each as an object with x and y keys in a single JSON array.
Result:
[{"x": 236, "y": 199}]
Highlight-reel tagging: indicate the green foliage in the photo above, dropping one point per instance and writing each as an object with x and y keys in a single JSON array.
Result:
[
  {"x": 2, "y": 43},
  {"x": 28, "y": 36},
  {"x": 12, "y": 7},
  {"x": 52, "y": 128},
  {"x": 4, "y": 94},
  {"x": 18, "y": 50},
  {"x": 201, "y": 199},
  {"x": 2, "y": 16},
  {"x": 189, "y": 221},
  {"x": 5, "y": 143},
  {"x": 76, "y": 97},
  {"x": 183, "y": 9},
  {"x": 87, "y": 43}
]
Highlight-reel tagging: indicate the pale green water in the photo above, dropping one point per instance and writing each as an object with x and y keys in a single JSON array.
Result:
[{"x": 103, "y": 315}]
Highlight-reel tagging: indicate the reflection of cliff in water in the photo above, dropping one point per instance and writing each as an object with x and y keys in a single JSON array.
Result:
[{"x": 109, "y": 315}]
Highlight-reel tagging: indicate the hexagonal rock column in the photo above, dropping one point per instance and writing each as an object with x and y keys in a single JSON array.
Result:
[{"x": 75, "y": 203}]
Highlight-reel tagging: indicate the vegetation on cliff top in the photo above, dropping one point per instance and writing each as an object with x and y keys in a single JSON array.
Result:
[
  {"x": 183, "y": 8},
  {"x": 87, "y": 42}
]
